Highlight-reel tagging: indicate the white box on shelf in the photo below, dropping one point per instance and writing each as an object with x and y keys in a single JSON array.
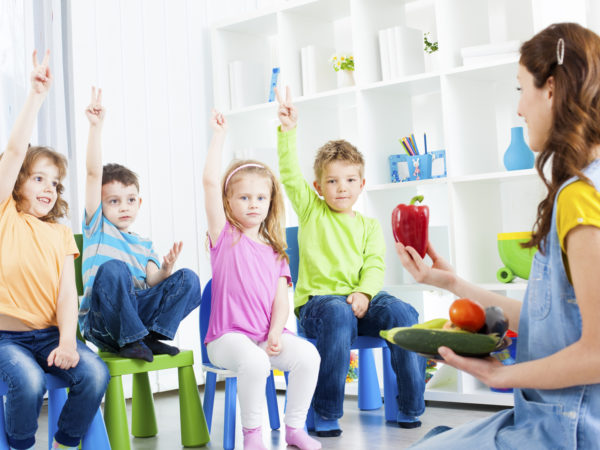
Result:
[
  {"x": 317, "y": 73},
  {"x": 408, "y": 46},
  {"x": 384, "y": 55},
  {"x": 481, "y": 54}
]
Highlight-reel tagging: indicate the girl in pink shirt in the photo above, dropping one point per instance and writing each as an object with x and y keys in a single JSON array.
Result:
[{"x": 250, "y": 304}]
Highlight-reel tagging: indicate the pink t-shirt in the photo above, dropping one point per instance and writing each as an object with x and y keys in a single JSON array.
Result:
[{"x": 244, "y": 283}]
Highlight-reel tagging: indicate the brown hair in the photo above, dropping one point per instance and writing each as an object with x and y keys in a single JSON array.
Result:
[
  {"x": 117, "y": 172},
  {"x": 272, "y": 230},
  {"x": 61, "y": 207},
  {"x": 340, "y": 150},
  {"x": 575, "y": 127}
]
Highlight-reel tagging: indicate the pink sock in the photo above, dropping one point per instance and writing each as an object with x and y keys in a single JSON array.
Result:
[
  {"x": 299, "y": 438},
  {"x": 253, "y": 439}
]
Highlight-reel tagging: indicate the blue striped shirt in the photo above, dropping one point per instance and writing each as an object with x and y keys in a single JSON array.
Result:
[{"x": 102, "y": 241}]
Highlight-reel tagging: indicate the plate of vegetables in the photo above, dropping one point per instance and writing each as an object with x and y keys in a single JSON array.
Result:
[{"x": 471, "y": 331}]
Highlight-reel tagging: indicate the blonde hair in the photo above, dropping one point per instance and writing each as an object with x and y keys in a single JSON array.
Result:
[
  {"x": 272, "y": 230},
  {"x": 61, "y": 207},
  {"x": 339, "y": 150}
]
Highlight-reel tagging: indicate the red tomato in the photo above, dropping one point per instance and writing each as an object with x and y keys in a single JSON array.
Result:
[{"x": 467, "y": 314}]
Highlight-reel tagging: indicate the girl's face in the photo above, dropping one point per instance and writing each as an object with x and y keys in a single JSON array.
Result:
[
  {"x": 250, "y": 200},
  {"x": 535, "y": 106},
  {"x": 39, "y": 190}
]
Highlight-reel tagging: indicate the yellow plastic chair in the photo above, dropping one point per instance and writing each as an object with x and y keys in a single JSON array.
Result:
[{"x": 194, "y": 431}]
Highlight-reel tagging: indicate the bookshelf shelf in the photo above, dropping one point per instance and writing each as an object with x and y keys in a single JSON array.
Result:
[{"x": 466, "y": 110}]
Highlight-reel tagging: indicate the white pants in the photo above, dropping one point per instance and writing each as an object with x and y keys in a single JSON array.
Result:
[{"x": 251, "y": 364}]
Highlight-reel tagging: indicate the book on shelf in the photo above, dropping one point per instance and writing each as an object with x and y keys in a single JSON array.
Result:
[
  {"x": 273, "y": 85},
  {"x": 481, "y": 54},
  {"x": 317, "y": 73},
  {"x": 401, "y": 52}
]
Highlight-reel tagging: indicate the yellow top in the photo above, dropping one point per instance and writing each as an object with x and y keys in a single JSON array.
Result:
[
  {"x": 578, "y": 204},
  {"x": 31, "y": 263}
]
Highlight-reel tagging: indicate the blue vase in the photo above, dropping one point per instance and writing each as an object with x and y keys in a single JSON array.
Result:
[{"x": 518, "y": 155}]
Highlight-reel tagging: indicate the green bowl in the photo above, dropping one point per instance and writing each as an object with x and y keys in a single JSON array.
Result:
[{"x": 517, "y": 260}]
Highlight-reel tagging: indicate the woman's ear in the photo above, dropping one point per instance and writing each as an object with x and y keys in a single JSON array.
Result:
[{"x": 549, "y": 86}]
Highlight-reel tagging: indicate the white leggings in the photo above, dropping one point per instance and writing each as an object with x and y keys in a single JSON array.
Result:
[{"x": 251, "y": 364}]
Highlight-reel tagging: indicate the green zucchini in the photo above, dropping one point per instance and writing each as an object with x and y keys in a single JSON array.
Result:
[{"x": 427, "y": 341}]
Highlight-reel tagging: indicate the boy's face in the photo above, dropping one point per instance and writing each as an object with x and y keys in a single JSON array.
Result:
[
  {"x": 340, "y": 185},
  {"x": 120, "y": 204},
  {"x": 39, "y": 190}
]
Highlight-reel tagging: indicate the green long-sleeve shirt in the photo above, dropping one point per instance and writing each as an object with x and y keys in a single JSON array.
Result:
[{"x": 339, "y": 254}]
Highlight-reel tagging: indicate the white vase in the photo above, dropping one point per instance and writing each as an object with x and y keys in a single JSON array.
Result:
[{"x": 345, "y": 78}]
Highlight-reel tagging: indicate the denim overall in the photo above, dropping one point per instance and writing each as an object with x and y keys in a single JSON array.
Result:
[{"x": 550, "y": 320}]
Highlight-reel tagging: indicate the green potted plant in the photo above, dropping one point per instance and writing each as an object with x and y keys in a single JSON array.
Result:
[{"x": 430, "y": 47}]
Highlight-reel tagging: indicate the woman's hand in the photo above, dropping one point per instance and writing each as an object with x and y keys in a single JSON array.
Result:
[
  {"x": 488, "y": 370},
  {"x": 440, "y": 274}
]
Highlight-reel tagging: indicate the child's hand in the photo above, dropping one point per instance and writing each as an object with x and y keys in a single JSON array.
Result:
[
  {"x": 273, "y": 343},
  {"x": 440, "y": 274},
  {"x": 359, "y": 302},
  {"x": 95, "y": 111},
  {"x": 171, "y": 257},
  {"x": 64, "y": 356},
  {"x": 287, "y": 113},
  {"x": 217, "y": 122},
  {"x": 41, "y": 78}
]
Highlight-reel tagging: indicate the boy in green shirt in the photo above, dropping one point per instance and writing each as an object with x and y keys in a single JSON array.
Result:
[{"x": 338, "y": 295}]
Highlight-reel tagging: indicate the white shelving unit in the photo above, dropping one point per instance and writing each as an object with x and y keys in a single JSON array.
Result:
[{"x": 466, "y": 110}]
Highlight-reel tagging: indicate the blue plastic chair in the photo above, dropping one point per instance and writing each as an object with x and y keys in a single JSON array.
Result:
[
  {"x": 230, "y": 382},
  {"x": 369, "y": 395},
  {"x": 96, "y": 437}
]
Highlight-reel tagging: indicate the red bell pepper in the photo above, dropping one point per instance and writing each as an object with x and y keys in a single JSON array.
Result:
[{"x": 410, "y": 224}]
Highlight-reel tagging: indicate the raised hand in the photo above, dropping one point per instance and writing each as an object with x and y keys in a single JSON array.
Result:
[
  {"x": 171, "y": 257},
  {"x": 41, "y": 77},
  {"x": 95, "y": 111},
  {"x": 217, "y": 122},
  {"x": 287, "y": 113}
]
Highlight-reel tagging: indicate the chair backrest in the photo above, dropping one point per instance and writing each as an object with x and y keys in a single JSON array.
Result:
[
  {"x": 293, "y": 251},
  {"x": 205, "y": 307},
  {"x": 78, "y": 262}
]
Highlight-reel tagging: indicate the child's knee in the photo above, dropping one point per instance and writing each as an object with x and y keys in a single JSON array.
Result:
[
  {"x": 189, "y": 279},
  {"x": 95, "y": 375},
  {"x": 256, "y": 365}
]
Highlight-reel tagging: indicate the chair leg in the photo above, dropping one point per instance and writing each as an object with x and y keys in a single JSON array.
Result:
[
  {"x": 115, "y": 415},
  {"x": 96, "y": 438},
  {"x": 194, "y": 431},
  {"x": 143, "y": 417},
  {"x": 210, "y": 384},
  {"x": 229, "y": 426},
  {"x": 56, "y": 401},
  {"x": 369, "y": 395},
  {"x": 390, "y": 387},
  {"x": 272, "y": 402},
  {"x": 3, "y": 438}
]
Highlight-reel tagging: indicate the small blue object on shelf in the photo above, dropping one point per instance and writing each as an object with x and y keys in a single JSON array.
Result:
[
  {"x": 518, "y": 155},
  {"x": 417, "y": 167},
  {"x": 274, "y": 77}
]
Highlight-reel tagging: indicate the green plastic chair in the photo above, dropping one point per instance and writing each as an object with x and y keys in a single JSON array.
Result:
[{"x": 194, "y": 431}]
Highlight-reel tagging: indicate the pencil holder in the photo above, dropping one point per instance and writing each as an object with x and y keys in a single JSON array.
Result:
[{"x": 417, "y": 167}]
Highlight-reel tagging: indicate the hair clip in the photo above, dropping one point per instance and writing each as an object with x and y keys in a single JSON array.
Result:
[{"x": 560, "y": 51}]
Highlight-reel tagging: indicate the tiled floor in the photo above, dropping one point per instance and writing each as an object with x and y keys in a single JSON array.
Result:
[{"x": 361, "y": 429}]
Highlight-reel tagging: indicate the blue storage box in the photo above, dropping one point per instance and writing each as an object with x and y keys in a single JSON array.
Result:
[{"x": 417, "y": 167}]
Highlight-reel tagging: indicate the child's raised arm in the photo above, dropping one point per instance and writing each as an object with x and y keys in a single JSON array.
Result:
[
  {"x": 215, "y": 215},
  {"x": 13, "y": 157},
  {"x": 287, "y": 113},
  {"x": 93, "y": 186}
]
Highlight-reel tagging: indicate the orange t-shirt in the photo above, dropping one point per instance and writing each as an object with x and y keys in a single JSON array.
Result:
[{"x": 32, "y": 254}]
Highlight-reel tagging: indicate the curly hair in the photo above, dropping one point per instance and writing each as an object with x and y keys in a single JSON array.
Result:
[
  {"x": 575, "y": 113},
  {"x": 339, "y": 150},
  {"x": 61, "y": 207},
  {"x": 272, "y": 230}
]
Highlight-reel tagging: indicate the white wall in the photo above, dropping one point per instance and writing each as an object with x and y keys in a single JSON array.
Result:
[{"x": 151, "y": 60}]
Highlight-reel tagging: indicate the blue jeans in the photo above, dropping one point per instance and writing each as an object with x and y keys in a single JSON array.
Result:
[
  {"x": 329, "y": 319},
  {"x": 120, "y": 314},
  {"x": 23, "y": 361}
]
